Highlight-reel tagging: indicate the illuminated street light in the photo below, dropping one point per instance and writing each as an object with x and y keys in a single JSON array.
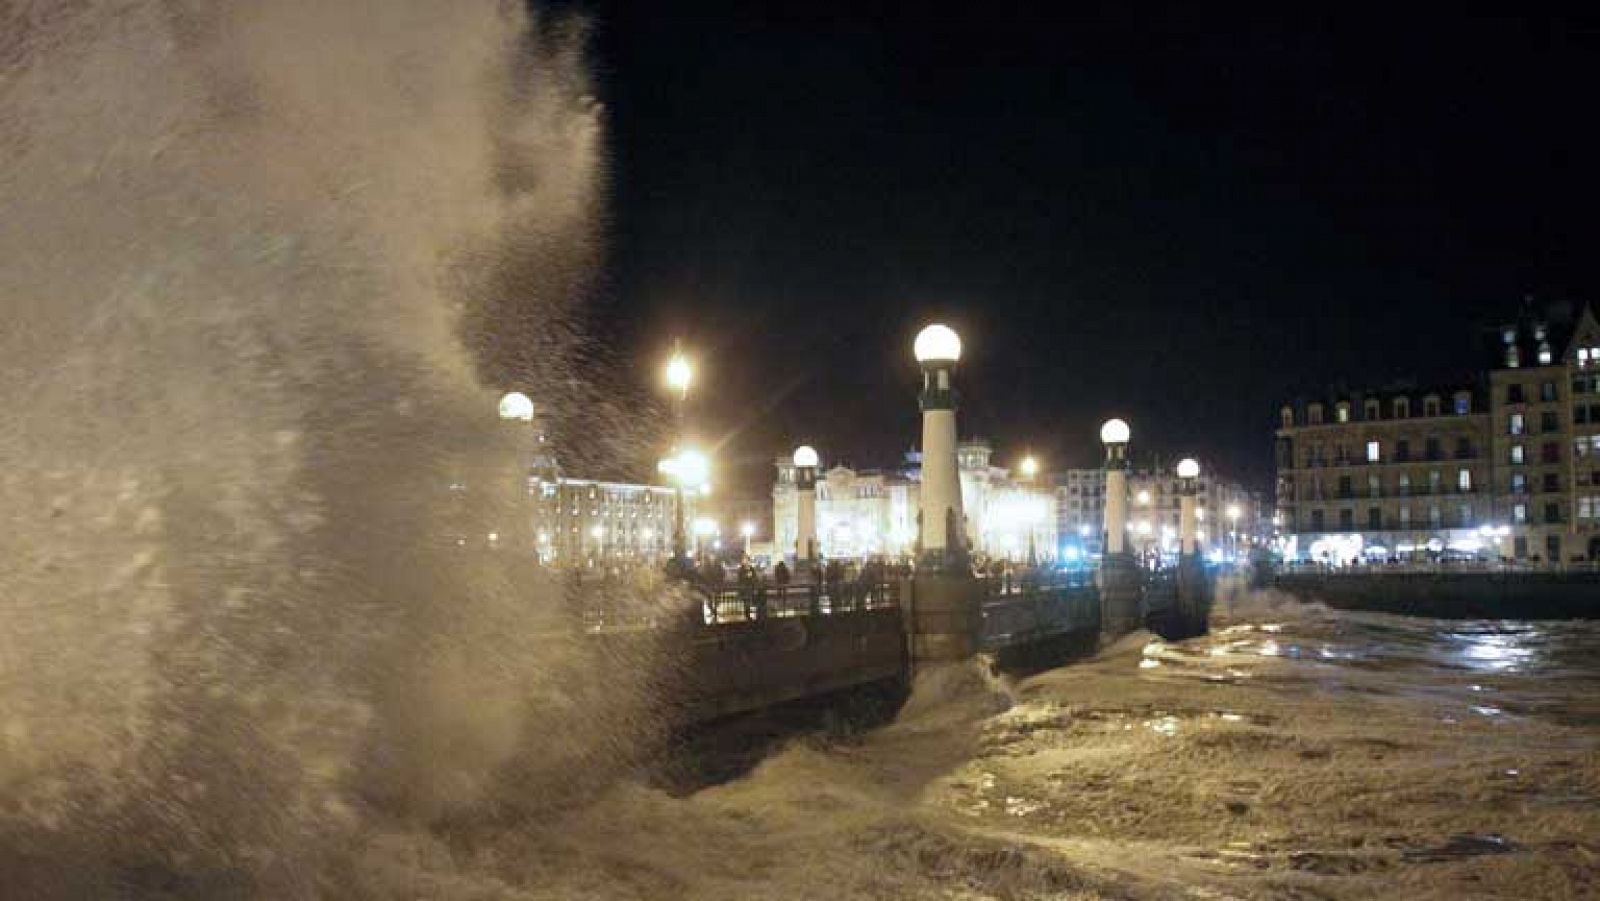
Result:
[
  {"x": 1114, "y": 434},
  {"x": 937, "y": 349},
  {"x": 1029, "y": 467},
  {"x": 1115, "y": 431},
  {"x": 937, "y": 344},
  {"x": 516, "y": 405},
  {"x": 806, "y": 456},
  {"x": 1188, "y": 506},
  {"x": 748, "y": 530},
  {"x": 688, "y": 469},
  {"x": 680, "y": 373},
  {"x": 1144, "y": 498}
]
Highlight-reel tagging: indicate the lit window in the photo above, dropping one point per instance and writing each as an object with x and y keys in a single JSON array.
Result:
[
  {"x": 1518, "y": 424},
  {"x": 1464, "y": 480},
  {"x": 1463, "y": 405},
  {"x": 1518, "y": 454},
  {"x": 1519, "y": 513},
  {"x": 1583, "y": 357},
  {"x": 1374, "y": 452},
  {"x": 1544, "y": 355},
  {"x": 1344, "y": 412}
]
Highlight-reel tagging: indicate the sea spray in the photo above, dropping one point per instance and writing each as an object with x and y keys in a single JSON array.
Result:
[{"x": 242, "y": 246}]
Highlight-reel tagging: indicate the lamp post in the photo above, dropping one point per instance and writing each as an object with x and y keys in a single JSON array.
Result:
[
  {"x": 1120, "y": 581},
  {"x": 687, "y": 469},
  {"x": 942, "y": 531},
  {"x": 748, "y": 531},
  {"x": 1188, "y": 479},
  {"x": 805, "y": 478},
  {"x": 679, "y": 375},
  {"x": 1028, "y": 468},
  {"x": 1233, "y": 528},
  {"x": 1115, "y": 435}
]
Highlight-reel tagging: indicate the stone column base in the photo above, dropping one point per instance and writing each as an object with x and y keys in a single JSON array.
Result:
[
  {"x": 1119, "y": 596},
  {"x": 944, "y": 617}
]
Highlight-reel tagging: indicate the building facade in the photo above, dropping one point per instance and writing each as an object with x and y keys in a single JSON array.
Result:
[
  {"x": 1231, "y": 516},
  {"x": 1506, "y": 466},
  {"x": 864, "y": 513},
  {"x": 583, "y": 523},
  {"x": 1382, "y": 474}
]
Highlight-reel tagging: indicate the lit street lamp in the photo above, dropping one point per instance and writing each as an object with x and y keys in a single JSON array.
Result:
[
  {"x": 1233, "y": 527},
  {"x": 688, "y": 469},
  {"x": 680, "y": 373},
  {"x": 1029, "y": 467},
  {"x": 748, "y": 530}
]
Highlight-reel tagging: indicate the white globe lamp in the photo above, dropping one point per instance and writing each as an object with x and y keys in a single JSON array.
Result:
[{"x": 937, "y": 344}]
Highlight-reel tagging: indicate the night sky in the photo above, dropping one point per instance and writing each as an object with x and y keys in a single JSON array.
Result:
[{"x": 1180, "y": 220}]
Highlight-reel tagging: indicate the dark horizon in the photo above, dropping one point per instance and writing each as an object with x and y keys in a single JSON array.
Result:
[{"x": 1178, "y": 221}]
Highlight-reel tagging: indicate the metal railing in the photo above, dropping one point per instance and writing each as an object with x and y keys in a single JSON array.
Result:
[
  {"x": 1438, "y": 567},
  {"x": 600, "y": 605},
  {"x": 750, "y": 603}
]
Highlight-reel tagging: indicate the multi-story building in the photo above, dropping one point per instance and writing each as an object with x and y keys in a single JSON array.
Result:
[
  {"x": 866, "y": 512},
  {"x": 1230, "y": 515},
  {"x": 1384, "y": 473},
  {"x": 572, "y": 522},
  {"x": 1507, "y": 465},
  {"x": 1545, "y": 395}
]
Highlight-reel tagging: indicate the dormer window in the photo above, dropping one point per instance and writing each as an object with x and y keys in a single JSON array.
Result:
[
  {"x": 1430, "y": 405},
  {"x": 1370, "y": 409},
  {"x": 1402, "y": 408},
  {"x": 1583, "y": 358},
  {"x": 1287, "y": 416},
  {"x": 1544, "y": 354},
  {"x": 1314, "y": 414},
  {"x": 1513, "y": 358},
  {"x": 1342, "y": 411}
]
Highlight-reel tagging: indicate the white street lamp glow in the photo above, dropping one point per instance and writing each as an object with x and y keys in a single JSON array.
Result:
[
  {"x": 1144, "y": 497},
  {"x": 689, "y": 468},
  {"x": 704, "y": 526},
  {"x": 1233, "y": 512},
  {"x": 937, "y": 344},
  {"x": 679, "y": 374},
  {"x": 598, "y": 532},
  {"x": 1188, "y": 468},
  {"x": 1115, "y": 431},
  {"x": 748, "y": 529},
  {"x": 516, "y": 405},
  {"x": 1030, "y": 467},
  {"x": 806, "y": 456}
]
